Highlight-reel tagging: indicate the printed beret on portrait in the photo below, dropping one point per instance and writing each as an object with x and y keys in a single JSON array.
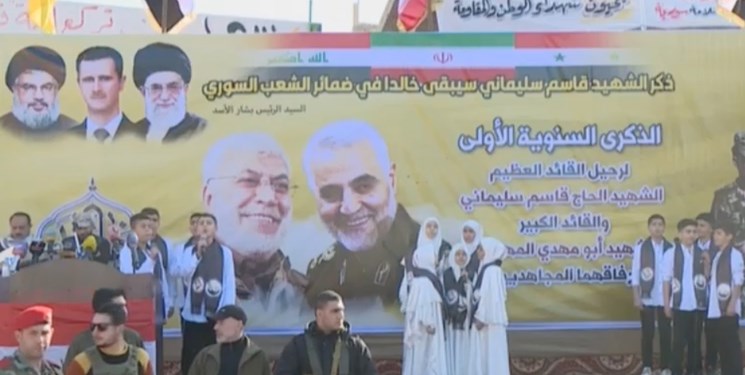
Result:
[
  {"x": 160, "y": 57},
  {"x": 36, "y": 58}
]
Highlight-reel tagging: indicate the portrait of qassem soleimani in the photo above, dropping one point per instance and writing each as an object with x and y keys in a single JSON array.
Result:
[{"x": 34, "y": 76}]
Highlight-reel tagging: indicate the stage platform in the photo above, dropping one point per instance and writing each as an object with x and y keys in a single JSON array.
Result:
[{"x": 580, "y": 352}]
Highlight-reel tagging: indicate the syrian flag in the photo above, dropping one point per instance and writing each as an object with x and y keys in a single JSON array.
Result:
[
  {"x": 169, "y": 16},
  {"x": 67, "y": 285},
  {"x": 411, "y": 14}
]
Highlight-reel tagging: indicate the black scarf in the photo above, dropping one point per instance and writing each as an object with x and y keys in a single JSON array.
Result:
[
  {"x": 477, "y": 285},
  {"x": 160, "y": 243},
  {"x": 209, "y": 270},
  {"x": 455, "y": 291}
]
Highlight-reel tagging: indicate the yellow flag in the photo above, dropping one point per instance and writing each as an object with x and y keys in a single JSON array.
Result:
[{"x": 41, "y": 15}]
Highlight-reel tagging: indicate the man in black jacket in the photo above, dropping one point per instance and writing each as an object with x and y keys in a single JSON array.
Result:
[{"x": 326, "y": 347}]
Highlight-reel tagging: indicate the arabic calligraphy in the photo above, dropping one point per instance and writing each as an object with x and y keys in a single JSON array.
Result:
[
  {"x": 580, "y": 222},
  {"x": 88, "y": 15},
  {"x": 500, "y": 9},
  {"x": 563, "y": 196},
  {"x": 672, "y": 14},
  {"x": 545, "y": 252},
  {"x": 566, "y": 170},
  {"x": 297, "y": 58},
  {"x": 271, "y": 110},
  {"x": 641, "y": 83},
  {"x": 607, "y": 274},
  {"x": 505, "y": 136}
]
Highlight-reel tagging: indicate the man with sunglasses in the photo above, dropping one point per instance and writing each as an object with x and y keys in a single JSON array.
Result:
[
  {"x": 111, "y": 353},
  {"x": 84, "y": 340},
  {"x": 33, "y": 330}
]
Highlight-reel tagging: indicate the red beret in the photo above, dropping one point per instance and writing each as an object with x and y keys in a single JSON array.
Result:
[{"x": 32, "y": 316}]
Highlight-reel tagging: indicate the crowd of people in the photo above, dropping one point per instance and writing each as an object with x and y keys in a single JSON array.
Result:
[
  {"x": 452, "y": 297},
  {"x": 689, "y": 291}
]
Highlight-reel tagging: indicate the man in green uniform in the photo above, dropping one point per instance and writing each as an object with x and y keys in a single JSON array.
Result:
[
  {"x": 728, "y": 205},
  {"x": 353, "y": 180},
  {"x": 33, "y": 330}
]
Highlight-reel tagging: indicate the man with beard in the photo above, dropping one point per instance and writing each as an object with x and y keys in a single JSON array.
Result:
[
  {"x": 353, "y": 180},
  {"x": 728, "y": 206},
  {"x": 162, "y": 73},
  {"x": 246, "y": 185},
  {"x": 34, "y": 76},
  {"x": 111, "y": 353},
  {"x": 84, "y": 244},
  {"x": 101, "y": 80},
  {"x": 21, "y": 242}
]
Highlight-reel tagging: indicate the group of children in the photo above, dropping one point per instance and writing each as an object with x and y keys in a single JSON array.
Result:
[
  {"x": 453, "y": 301},
  {"x": 691, "y": 289}
]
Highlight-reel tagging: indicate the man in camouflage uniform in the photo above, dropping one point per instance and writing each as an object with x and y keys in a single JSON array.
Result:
[
  {"x": 728, "y": 205},
  {"x": 33, "y": 330}
]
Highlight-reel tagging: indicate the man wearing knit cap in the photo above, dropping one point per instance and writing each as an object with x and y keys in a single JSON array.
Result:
[
  {"x": 728, "y": 205},
  {"x": 162, "y": 73},
  {"x": 33, "y": 330},
  {"x": 34, "y": 76}
]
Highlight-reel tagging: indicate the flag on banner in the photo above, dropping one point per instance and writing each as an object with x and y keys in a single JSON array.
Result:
[
  {"x": 41, "y": 15},
  {"x": 169, "y": 16},
  {"x": 732, "y": 11},
  {"x": 411, "y": 14}
]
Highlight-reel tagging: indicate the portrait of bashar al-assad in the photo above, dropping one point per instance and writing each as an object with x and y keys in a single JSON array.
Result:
[
  {"x": 34, "y": 76},
  {"x": 162, "y": 74}
]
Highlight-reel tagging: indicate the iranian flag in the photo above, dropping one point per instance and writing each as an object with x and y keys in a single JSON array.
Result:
[
  {"x": 67, "y": 285},
  {"x": 483, "y": 56}
]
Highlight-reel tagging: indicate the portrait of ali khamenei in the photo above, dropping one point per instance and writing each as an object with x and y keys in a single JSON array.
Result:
[
  {"x": 162, "y": 74},
  {"x": 34, "y": 77}
]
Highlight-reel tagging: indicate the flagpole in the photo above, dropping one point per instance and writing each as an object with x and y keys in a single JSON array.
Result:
[
  {"x": 310, "y": 15},
  {"x": 164, "y": 18}
]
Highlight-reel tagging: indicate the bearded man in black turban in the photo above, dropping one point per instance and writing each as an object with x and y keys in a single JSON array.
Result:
[
  {"x": 162, "y": 73},
  {"x": 34, "y": 76}
]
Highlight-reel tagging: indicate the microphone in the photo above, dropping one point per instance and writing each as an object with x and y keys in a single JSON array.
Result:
[
  {"x": 36, "y": 249},
  {"x": 89, "y": 244}
]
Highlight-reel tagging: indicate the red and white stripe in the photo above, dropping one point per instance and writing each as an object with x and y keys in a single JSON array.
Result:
[
  {"x": 69, "y": 319},
  {"x": 411, "y": 14}
]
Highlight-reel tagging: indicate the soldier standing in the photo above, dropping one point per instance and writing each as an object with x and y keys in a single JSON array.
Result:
[
  {"x": 33, "y": 330},
  {"x": 728, "y": 205}
]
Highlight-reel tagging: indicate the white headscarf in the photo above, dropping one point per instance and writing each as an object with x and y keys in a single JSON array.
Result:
[
  {"x": 493, "y": 250},
  {"x": 471, "y": 247},
  {"x": 425, "y": 258},
  {"x": 453, "y": 265},
  {"x": 423, "y": 240}
]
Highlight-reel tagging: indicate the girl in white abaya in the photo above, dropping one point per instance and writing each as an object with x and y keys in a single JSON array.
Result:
[
  {"x": 424, "y": 333},
  {"x": 458, "y": 285},
  {"x": 489, "y": 351},
  {"x": 431, "y": 235},
  {"x": 470, "y": 240}
]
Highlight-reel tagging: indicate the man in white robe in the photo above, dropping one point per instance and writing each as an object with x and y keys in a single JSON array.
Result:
[
  {"x": 424, "y": 330},
  {"x": 489, "y": 350}
]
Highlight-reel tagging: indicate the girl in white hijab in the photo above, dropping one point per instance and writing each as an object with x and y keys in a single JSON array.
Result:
[
  {"x": 431, "y": 234},
  {"x": 424, "y": 333},
  {"x": 489, "y": 351},
  {"x": 470, "y": 240},
  {"x": 458, "y": 294}
]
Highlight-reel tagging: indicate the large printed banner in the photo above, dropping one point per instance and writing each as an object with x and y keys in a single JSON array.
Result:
[
  {"x": 575, "y": 15},
  {"x": 321, "y": 155}
]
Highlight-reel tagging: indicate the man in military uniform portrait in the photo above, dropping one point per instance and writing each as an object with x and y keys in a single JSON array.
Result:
[
  {"x": 33, "y": 331},
  {"x": 162, "y": 73},
  {"x": 728, "y": 205},
  {"x": 101, "y": 81},
  {"x": 246, "y": 185},
  {"x": 353, "y": 180},
  {"x": 34, "y": 76}
]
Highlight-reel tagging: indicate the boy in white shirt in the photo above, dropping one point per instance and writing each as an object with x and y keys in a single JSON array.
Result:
[
  {"x": 684, "y": 296},
  {"x": 727, "y": 274},
  {"x": 646, "y": 281}
]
